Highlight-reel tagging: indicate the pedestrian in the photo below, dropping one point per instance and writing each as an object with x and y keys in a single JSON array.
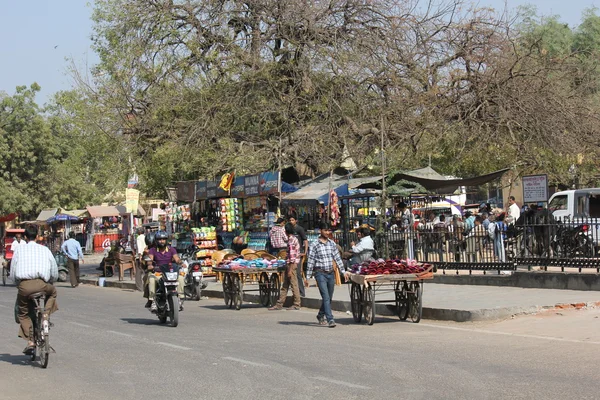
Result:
[
  {"x": 34, "y": 267},
  {"x": 139, "y": 271},
  {"x": 291, "y": 278},
  {"x": 72, "y": 249},
  {"x": 513, "y": 211},
  {"x": 321, "y": 255},
  {"x": 278, "y": 237},
  {"x": 303, "y": 240}
]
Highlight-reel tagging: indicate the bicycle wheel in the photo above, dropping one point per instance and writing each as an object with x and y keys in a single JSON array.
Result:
[{"x": 43, "y": 340}]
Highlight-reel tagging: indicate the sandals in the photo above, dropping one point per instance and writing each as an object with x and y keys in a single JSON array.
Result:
[
  {"x": 29, "y": 350},
  {"x": 275, "y": 308}
]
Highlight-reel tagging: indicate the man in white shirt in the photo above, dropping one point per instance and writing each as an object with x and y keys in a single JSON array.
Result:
[
  {"x": 140, "y": 247},
  {"x": 365, "y": 244},
  {"x": 514, "y": 211},
  {"x": 34, "y": 267},
  {"x": 18, "y": 241}
]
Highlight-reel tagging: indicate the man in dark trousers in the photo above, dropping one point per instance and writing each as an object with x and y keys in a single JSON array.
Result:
[
  {"x": 321, "y": 255},
  {"x": 301, "y": 235},
  {"x": 72, "y": 249}
]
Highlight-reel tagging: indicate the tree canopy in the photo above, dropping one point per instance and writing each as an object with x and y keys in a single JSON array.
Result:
[{"x": 189, "y": 89}]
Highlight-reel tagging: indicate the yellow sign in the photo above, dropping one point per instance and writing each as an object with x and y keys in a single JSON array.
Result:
[{"x": 132, "y": 199}]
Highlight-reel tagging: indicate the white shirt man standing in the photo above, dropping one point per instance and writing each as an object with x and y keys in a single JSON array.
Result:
[{"x": 514, "y": 211}]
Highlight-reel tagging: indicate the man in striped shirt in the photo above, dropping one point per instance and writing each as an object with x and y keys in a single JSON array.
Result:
[
  {"x": 291, "y": 279},
  {"x": 321, "y": 256},
  {"x": 34, "y": 267}
]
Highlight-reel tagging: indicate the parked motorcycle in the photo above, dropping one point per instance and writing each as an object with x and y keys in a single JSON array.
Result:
[
  {"x": 61, "y": 262},
  {"x": 194, "y": 283},
  {"x": 167, "y": 299},
  {"x": 573, "y": 241}
]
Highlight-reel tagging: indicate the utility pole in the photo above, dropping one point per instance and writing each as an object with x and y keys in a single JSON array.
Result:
[{"x": 383, "y": 191}]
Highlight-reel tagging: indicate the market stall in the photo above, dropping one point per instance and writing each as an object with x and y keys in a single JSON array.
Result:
[
  {"x": 403, "y": 278},
  {"x": 107, "y": 225},
  {"x": 240, "y": 276}
]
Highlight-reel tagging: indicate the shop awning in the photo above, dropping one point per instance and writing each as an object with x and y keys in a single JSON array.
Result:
[
  {"x": 318, "y": 190},
  {"x": 45, "y": 215},
  {"x": 62, "y": 217},
  {"x": 76, "y": 213},
  {"x": 434, "y": 182},
  {"x": 106, "y": 211}
]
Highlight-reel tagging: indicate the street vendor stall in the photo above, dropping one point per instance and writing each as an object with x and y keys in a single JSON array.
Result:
[
  {"x": 107, "y": 225},
  {"x": 262, "y": 275},
  {"x": 403, "y": 278}
]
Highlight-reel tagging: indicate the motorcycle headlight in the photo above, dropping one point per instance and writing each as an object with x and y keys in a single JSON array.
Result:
[{"x": 171, "y": 276}]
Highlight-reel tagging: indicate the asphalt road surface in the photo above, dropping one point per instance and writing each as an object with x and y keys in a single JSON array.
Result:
[{"x": 109, "y": 347}]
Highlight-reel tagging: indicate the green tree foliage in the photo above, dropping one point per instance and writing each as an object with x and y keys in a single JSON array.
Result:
[{"x": 54, "y": 157}]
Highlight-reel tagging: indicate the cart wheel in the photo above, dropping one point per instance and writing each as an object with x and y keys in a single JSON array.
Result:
[
  {"x": 356, "y": 302},
  {"x": 274, "y": 289},
  {"x": 402, "y": 304},
  {"x": 236, "y": 291},
  {"x": 369, "y": 304},
  {"x": 415, "y": 299},
  {"x": 263, "y": 289},
  {"x": 227, "y": 290}
]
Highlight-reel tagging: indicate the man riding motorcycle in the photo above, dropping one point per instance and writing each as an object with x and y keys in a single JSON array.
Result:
[{"x": 162, "y": 255}]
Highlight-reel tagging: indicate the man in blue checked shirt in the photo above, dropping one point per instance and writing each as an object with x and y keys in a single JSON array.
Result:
[
  {"x": 72, "y": 249},
  {"x": 321, "y": 256}
]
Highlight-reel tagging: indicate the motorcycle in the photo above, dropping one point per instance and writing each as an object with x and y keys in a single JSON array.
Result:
[
  {"x": 194, "y": 283},
  {"x": 573, "y": 241},
  {"x": 167, "y": 299},
  {"x": 61, "y": 262}
]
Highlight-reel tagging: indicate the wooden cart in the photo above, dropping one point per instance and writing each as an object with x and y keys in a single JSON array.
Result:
[
  {"x": 268, "y": 280},
  {"x": 408, "y": 290}
]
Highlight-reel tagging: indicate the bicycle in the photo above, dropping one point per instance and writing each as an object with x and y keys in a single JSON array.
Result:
[{"x": 41, "y": 330}]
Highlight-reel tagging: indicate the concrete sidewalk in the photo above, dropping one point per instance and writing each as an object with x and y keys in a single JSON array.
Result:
[{"x": 458, "y": 303}]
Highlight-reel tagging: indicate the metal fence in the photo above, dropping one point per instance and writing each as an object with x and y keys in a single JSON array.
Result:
[{"x": 531, "y": 242}]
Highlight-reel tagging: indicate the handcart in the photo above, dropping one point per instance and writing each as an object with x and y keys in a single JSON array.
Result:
[
  {"x": 234, "y": 279},
  {"x": 408, "y": 290}
]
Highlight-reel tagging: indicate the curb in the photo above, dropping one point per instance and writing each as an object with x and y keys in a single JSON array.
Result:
[{"x": 440, "y": 314}]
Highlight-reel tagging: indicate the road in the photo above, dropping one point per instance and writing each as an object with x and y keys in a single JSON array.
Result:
[{"x": 109, "y": 347}]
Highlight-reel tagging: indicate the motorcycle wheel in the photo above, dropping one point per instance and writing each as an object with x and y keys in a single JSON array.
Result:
[
  {"x": 198, "y": 291},
  {"x": 62, "y": 276},
  {"x": 174, "y": 310}
]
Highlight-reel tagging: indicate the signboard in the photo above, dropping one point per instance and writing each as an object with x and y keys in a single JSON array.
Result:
[
  {"x": 201, "y": 190},
  {"x": 132, "y": 200},
  {"x": 237, "y": 189},
  {"x": 269, "y": 183},
  {"x": 133, "y": 181},
  {"x": 186, "y": 191},
  {"x": 252, "y": 185},
  {"x": 211, "y": 189},
  {"x": 535, "y": 188}
]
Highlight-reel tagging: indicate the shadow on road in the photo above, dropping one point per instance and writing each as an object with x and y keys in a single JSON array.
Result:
[
  {"x": 16, "y": 359},
  {"x": 141, "y": 321},
  {"x": 224, "y": 307}
]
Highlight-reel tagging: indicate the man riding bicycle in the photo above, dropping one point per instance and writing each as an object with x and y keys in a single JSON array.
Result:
[
  {"x": 162, "y": 255},
  {"x": 33, "y": 268}
]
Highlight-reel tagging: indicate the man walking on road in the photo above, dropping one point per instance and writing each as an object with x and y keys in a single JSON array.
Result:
[
  {"x": 321, "y": 255},
  {"x": 34, "y": 267},
  {"x": 72, "y": 249}
]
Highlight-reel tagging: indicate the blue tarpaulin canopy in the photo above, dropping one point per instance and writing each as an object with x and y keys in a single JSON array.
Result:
[
  {"x": 62, "y": 217},
  {"x": 287, "y": 188}
]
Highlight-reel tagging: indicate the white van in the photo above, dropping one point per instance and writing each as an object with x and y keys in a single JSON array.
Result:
[
  {"x": 574, "y": 204},
  {"x": 581, "y": 206}
]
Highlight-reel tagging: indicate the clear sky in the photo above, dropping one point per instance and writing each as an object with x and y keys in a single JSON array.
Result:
[{"x": 30, "y": 30}]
